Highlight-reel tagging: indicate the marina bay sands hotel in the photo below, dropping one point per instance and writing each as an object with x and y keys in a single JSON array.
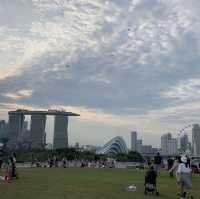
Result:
[{"x": 37, "y": 135}]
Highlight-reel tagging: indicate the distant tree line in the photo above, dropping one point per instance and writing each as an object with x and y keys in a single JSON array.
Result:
[{"x": 42, "y": 155}]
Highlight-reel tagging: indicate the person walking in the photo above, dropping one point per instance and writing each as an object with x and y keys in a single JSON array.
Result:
[
  {"x": 184, "y": 177},
  {"x": 175, "y": 166},
  {"x": 157, "y": 162}
]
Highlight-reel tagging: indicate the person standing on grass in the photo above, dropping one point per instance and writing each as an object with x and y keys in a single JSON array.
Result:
[
  {"x": 170, "y": 163},
  {"x": 157, "y": 162},
  {"x": 184, "y": 177},
  {"x": 13, "y": 167},
  {"x": 64, "y": 162},
  {"x": 14, "y": 158},
  {"x": 175, "y": 166}
]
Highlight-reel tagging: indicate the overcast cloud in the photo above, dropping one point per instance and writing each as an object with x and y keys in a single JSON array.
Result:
[{"x": 124, "y": 65}]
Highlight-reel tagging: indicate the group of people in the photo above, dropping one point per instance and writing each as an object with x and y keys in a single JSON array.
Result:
[
  {"x": 180, "y": 167},
  {"x": 10, "y": 169},
  {"x": 55, "y": 162}
]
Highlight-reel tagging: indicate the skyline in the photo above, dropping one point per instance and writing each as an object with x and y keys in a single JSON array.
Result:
[
  {"x": 50, "y": 119},
  {"x": 136, "y": 74}
]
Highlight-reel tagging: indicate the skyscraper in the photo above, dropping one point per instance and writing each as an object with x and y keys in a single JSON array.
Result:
[
  {"x": 3, "y": 128},
  {"x": 196, "y": 139},
  {"x": 172, "y": 146},
  {"x": 37, "y": 132},
  {"x": 60, "y": 132},
  {"x": 169, "y": 145},
  {"x": 184, "y": 143},
  {"x": 139, "y": 146},
  {"x": 134, "y": 140},
  {"x": 15, "y": 127},
  {"x": 164, "y": 143},
  {"x": 18, "y": 132}
]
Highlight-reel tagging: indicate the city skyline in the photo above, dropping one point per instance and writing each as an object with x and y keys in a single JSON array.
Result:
[
  {"x": 140, "y": 74},
  {"x": 19, "y": 130}
]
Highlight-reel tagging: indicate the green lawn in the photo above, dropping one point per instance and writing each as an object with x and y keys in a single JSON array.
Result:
[{"x": 46, "y": 183}]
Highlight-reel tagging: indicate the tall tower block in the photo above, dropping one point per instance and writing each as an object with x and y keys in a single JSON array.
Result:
[
  {"x": 134, "y": 140},
  {"x": 60, "y": 132},
  {"x": 37, "y": 133},
  {"x": 15, "y": 127}
]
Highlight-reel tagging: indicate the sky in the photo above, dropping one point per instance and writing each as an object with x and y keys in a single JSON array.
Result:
[{"x": 130, "y": 65}]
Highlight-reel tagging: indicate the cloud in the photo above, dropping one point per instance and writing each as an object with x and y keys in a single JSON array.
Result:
[
  {"x": 187, "y": 90},
  {"x": 148, "y": 40},
  {"x": 132, "y": 63},
  {"x": 18, "y": 94},
  {"x": 153, "y": 119},
  {"x": 124, "y": 60}
]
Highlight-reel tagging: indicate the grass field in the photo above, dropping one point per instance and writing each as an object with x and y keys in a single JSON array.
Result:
[{"x": 86, "y": 184}]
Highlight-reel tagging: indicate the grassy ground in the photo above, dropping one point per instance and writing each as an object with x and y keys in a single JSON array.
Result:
[{"x": 86, "y": 184}]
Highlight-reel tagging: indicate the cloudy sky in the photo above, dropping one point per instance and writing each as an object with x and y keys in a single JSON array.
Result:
[{"x": 123, "y": 65}]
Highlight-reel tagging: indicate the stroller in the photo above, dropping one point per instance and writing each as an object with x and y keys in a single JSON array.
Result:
[{"x": 150, "y": 182}]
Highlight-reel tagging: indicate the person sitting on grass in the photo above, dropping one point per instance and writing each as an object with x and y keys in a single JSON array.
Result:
[
  {"x": 184, "y": 177},
  {"x": 8, "y": 172}
]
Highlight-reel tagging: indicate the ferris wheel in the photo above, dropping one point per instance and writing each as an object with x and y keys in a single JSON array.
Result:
[
  {"x": 187, "y": 148},
  {"x": 182, "y": 131}
]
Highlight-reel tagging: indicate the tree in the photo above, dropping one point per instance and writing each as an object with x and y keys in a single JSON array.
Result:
[
  {"x": 4, "y": 141},
  {"x": 134, "y": 156}
]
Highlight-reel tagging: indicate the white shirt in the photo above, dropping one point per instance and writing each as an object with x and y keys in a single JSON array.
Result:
[
  {"x": 14, "y": 160},
  {"x": 183, "y": 169}
]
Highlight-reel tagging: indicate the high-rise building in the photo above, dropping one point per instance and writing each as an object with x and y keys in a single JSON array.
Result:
[
  {"x": 164, "y": 143},
  {"x": 36, "y": 136},
  {"x": 172, "y": 146},
  {"x": 196, "y": 139},
  {"x": 15, "y": 127},
  {"x": 37, "y": 132},
  {"x": 169, "y": 145},
  {"x": 134, "y": 140},
  {"x": 184, "y": 143},
  {"x": 139, "y": 146},
  {"x": 25, "y": 133},
  {"x": 60, "y": 132},
  {"x": 3, "y": 128}
]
